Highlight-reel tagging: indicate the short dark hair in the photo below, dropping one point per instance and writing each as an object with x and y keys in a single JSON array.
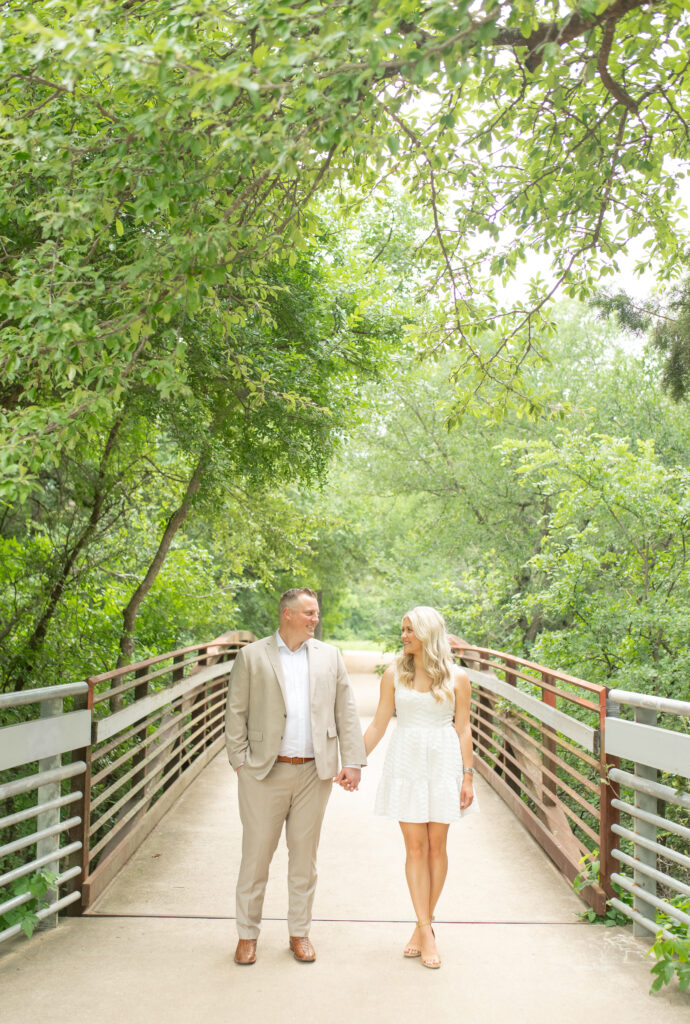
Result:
[{"x": 290, "y": 596}]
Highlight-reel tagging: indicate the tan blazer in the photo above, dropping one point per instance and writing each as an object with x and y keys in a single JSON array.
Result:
[{"x": 255, "y": 715}]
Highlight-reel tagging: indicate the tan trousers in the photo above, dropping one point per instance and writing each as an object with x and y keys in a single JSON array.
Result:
[{"x": 295, "y": 795}]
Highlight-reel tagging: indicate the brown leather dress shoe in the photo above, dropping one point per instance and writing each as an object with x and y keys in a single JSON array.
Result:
[
  {"x": 302, "y": 949},
  {"x": 246, "y": 951}
]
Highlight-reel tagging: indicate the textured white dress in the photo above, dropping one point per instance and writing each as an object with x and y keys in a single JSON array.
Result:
[{"x": 422, "y": 771}]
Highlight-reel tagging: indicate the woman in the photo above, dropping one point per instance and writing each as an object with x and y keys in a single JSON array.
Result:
[{"x": 427, "y": 780}]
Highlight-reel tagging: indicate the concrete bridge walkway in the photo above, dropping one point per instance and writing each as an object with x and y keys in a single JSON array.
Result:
[{"x": 158, "y": 946}]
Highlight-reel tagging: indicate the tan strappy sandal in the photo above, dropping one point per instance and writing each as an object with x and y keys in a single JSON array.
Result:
[
  {"x": 411, "y": 951},
  {"x": 431, "y": 964}
]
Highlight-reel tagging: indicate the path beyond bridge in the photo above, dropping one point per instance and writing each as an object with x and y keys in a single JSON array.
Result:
[{"x": 157, "y": 947}]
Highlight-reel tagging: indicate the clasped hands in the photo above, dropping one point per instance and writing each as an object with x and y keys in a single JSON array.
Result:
[{"x": 349, "y": 778}]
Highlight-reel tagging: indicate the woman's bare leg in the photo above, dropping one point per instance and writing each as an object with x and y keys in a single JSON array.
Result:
[
  {"x": 418, "y": 875},
  {"x": 438, "y": 861}
]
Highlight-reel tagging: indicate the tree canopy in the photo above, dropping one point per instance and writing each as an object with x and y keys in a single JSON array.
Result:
[
  {"x": 159, "y": 156},
  {"x": 178, "y": 324},
  {"x": 562, "y": 539}
]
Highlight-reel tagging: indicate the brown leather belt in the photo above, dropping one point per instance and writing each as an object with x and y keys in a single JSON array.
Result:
[{"x": 293, "y": 760}]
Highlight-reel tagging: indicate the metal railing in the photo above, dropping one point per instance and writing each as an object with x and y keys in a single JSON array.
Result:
[
  {"x": 156, "y": 724},
  {"x": 538, "y": 737},
  {"x": 654, "y": 809},
  {"x": 37, "y": 801},
  {"x": 135, "y": 738}
]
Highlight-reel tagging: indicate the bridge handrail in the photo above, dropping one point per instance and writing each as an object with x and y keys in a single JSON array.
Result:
[
  {"x": 40, "y": 694},
  {"x": 36, "y": 747},
  {"x": 516, "y": 660},
  {"x": 139, "y": 734},
  {"x": 545, "y": 762},
  {"x": 657, "y": 870},
  {"x": 651, "y": 702}
]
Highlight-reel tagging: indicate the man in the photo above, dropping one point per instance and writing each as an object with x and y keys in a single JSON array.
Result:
[{"x": 290, "y": 705}]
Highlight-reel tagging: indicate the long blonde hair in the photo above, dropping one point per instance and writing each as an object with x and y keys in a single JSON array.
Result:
[{"x": 430, "y": 629}]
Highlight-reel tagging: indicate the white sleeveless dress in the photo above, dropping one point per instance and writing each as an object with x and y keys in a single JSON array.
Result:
[{"x": 422, "y": 770}]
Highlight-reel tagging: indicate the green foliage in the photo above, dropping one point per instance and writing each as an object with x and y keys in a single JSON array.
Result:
[
  {"x": 161, "y": 159},
  {"x": 24, "y": 915},
  {"x": 668, "y": 321},
  {"x": 612, "y": 559},
  {"x": 551, "y": 536},
  {"x": 672, "y": 954},
  {"x": 591, "y": 873}
]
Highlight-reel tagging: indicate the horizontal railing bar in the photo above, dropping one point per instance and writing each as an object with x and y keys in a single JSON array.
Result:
[
  {"x": 506, "y": 770},
  {"x": 29, "y": 782},
  {"x": 573, "y": 698},
  {"x": 649, "y": 844},
  {"x": 33, "y": 812},
  {"x": 577, "y": 821},
  {"x": 119, "y": 804},
  {"x": 555, "y": 673},
  {"x": 108, "y": 727},
  {"x": 37, "y": 738},
  {"x": 103, "y": 749},
  {"x": 179, "y": 723},
  {"x": 542, "y": 769},
  {"x": 551, "y": 754},
  {"x": 48, "y": 858},
  {"x": 67, "y": 875},
  {"x": 116, "y": 691},
  {"x": 653, "y": 819},
  {"x": 645, "y": 869},
  {"x": 16, "y": 901},
  {"x": 648, "y": 897},
  {"x": 44, "y": 833},
  {"x": 560, "y": 741},
  {"x": 188, "y": 758},
  {"x": 571, "y": 727},
  {"x": 657, "y": 789},
  {"x": 201, "y": 649},
  {"x": 650, "y": 701},
  {"x": 176, "y": 667},
  {"x": 175, "y": 724},
  {"x": 54, "y": 908},
  {"x": 141, "y": 766},
  {"x": 664, "y": 749},
  {"x": 24, "y": 897},
  {"x": 40, "y": 694},
  {"x": 651, "y": 926}
]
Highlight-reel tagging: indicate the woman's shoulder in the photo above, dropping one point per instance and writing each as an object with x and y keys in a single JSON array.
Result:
[
  {"x": 460, "y": 678},
  {"x": 390, "y": 673}
]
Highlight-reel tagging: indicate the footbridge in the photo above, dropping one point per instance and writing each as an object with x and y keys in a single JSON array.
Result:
[{"x": 118, "y": 819}]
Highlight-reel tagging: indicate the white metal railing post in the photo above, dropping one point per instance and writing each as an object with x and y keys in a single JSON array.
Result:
[
  {"x": 48, "y": 819},
  {"x": 644, "y": 802}
]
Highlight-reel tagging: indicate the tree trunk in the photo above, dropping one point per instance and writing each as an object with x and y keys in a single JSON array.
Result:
[
  {"x": 21, "y": 667},
  {"x": 130, "y": 612}
]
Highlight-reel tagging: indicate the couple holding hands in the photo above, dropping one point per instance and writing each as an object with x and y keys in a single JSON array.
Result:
[{"x": 291, "y": 709}]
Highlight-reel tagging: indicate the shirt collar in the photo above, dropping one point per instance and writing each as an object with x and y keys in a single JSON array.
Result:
[{"x": 282, "y": 645}]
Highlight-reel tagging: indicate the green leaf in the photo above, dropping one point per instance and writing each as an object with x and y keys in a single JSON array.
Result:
[{"x": 259, "y": 55}]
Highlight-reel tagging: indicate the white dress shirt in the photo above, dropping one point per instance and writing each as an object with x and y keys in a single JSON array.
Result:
[{"x": 297, "y": 738}]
